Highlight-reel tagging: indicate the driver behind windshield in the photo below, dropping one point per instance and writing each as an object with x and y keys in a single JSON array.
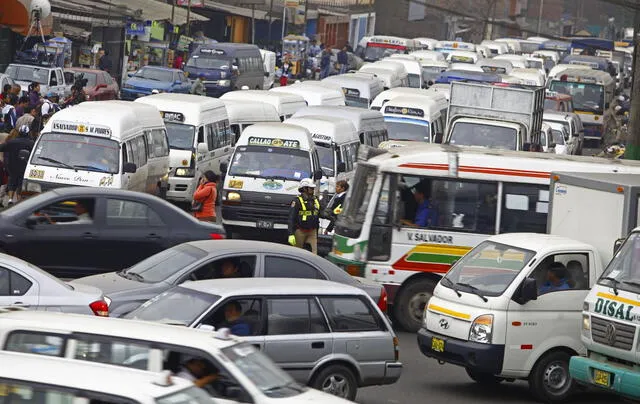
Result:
[
  {"x": 198, "y": 371},
  {"x": 557, "y": 279}
]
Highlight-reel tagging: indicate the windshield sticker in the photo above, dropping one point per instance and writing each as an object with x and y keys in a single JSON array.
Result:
[
  {"x": 172, "y": 116},
  {"x": 263, "y": 141},
  {"x": 297, "y": 174},
  {"x": 84, "y": 129},
  {"x": 106, "y": 181},
  {"x": 272, "y": 185},
  {"x": 236, "y": 184},
  {"x": 614, "y": 309},
  {"x": 36, "y": 174}
]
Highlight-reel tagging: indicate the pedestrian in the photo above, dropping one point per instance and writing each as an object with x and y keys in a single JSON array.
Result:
[
  {"x": 204, "y": 199},
  {"x": 77, "y": 96},
  {"x": 22, "y": 104},
  {"x": 104, "y": 63},
  {"x": 343, "y": 60},
  {"x": 304, "y": 217},
  {"x": 16, "y": 166},
  {"x": 9, "y": 115},
  {"x": 348, "y": 47},
  {"x": 16, "y": 91},
  {"x": 335, "y": 205},
  {"x": 325, "y": 63},
  {"x": 34, "y": 94},
  {"x": 178, "y": 61},
  {"x": 286, "y": 70},
  {"x": 198, "y": 87},
  {"x": 50, "y": 105},
  {"x": 28, "y": 117},
  {"x": 314, "y": 50},
  {"x": 6, "y": 91}
]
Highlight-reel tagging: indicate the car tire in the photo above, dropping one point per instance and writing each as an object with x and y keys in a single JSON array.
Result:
[
  {"x": 409, "y": 304},
  {"x": 486, "y": 379},
  {"x": 337, "y": 380},
  {"x": 550, "y": 381}
]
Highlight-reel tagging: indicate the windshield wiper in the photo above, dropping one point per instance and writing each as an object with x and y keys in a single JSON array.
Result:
[
  {"x": 134, "y": 276},
  {"x": 474, "y": 290},
  {"x": 277, "y": 177},
  {"x": 60, "y": 163},
  {"x": 615, "y": 283},
  {"x": 452, "y": 286},
  {"x": 90, "y": 167},
  {"x": 634, "y": 283}
]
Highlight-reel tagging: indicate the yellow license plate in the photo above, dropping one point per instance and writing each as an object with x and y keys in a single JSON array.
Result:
[
  {"x": 437, "y": 344},
  {"x": 601, "y": 378}
]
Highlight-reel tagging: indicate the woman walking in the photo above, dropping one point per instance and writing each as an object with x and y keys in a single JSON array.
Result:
[{"x": 204, "y": 199}]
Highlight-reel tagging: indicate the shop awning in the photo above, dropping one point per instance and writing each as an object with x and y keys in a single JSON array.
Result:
[
  {"x": 156, "y": 11},
  {"x": 236, "y": 10}
]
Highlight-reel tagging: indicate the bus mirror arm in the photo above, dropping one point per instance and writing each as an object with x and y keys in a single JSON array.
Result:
[
  {"x": 527, "y": 291},
  {"x": 617, "y": 244}
]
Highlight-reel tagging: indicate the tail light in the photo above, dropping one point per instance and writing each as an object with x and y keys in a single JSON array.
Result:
[
  {"x": 396, "y": 348},
  {"x": 100, "y": 308},
  {"x": 382, "y": 301},
  {"x": 217, "y": 236}
]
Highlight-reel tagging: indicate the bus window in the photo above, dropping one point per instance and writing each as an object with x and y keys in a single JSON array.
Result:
[
  {"x": 524, "y": 208},
  {"x": 448, "y": 204}
]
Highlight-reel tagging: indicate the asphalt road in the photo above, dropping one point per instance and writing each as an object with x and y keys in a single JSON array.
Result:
[{"x": 424, "y": 381}]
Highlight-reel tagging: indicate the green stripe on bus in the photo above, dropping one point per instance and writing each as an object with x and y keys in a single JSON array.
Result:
[{"x": 433, "y": 258}]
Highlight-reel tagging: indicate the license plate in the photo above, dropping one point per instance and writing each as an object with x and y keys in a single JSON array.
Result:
[
  {"x": 437, "y": 344},
  {"x": 264, "y": 224},
  {"x": 601, "y": 378}
]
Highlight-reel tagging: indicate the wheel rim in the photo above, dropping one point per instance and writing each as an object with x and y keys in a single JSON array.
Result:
[
  {"x": 337, "y": 385},
  {"x": 556, "y": 377},
  {"x": 417, "y": 304}
]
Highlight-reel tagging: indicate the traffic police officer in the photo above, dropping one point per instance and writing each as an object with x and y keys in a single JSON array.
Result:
[{"x": 304, "y": 217}]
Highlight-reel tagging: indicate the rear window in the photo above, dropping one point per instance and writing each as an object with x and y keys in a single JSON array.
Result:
[{"x": 349, "y": 314}]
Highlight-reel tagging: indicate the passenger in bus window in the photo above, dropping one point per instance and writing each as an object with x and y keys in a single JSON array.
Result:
[{"x": 426, "y": 213}]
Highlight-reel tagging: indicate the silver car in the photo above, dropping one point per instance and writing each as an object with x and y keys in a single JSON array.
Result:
[
  {"x": 328, "y": 335},
  {"x": 25, "y": 285},
  {"x": 201, "y": 260}
]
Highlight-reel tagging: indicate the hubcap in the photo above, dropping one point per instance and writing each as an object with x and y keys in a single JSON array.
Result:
[
  {"x": 417, "y": 304},
  {"x": 556, "y": 377},
  {"x": 336, "y": 385}
]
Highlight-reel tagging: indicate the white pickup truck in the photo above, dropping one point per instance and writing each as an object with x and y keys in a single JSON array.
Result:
[{"x": 51, "y": 79}]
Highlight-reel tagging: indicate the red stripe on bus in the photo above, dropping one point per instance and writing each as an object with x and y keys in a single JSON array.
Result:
[
  {"x": 403, "y": 265},
  {"x": 425, "y": 166},
  {"x": 482, "y": 170},
  {"x": 385, "y": 45}
]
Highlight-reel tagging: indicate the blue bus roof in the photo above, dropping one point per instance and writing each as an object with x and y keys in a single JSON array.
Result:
[
  {"x": 555, "y": 45},
  {"x": 595, "y": 43},
  {"x": 461, "y": 75}
]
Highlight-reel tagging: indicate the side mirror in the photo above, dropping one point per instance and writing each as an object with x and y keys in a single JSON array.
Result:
[
  {"x": 317, "y": 175},
  {"x": 129, "y": 168},
  {"x": 342, "y": 167},
  {"x": 202, "y": 148},
  {"x": 206, "y": 327},
  {"x": 617, "y": 244},
  {"x": 224, "y": 167},
  {"x": 24, "y": 154},
  {"x": 130, "y": 74},
  {"x": 527, "y": 291}
]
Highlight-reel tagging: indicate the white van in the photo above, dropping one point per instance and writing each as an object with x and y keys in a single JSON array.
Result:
[
  {"x": 269, "y": 161},
  {"x": 121, "y": 344},
  {"x": 460, "y": 56},
  {"x": 391, "y": 93},
  {"x": 441, "y": 88},
  {"x": 200, "y": 139},
  {"x": 337, "y": 145},
  {"x": 285, "y": 103},
  {"x": 359, "y": 89},
  {"x": 518, "y": 61},
  {"x": 397, "y": 67},
  {"x": 426, "y": 43},
  {"x": 369, "y": 124},
  {"x": 111, "y": 144},
  {"x": 314, "y": 93},
  {"x": 530, "y": 77},
  {"x": 416, "y": 118},
  {"x": 428, "y": 55},
  {"x": 412, "y": 66},
  {"x": 243, "y": 114},
  {"x": 496, "y": 48},
  {"x": 269, "y": 64},
  {"x": 431, "y": 70}
]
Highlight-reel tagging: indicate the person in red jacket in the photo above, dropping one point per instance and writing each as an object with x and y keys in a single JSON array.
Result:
[{"x": 204, "y": 199}]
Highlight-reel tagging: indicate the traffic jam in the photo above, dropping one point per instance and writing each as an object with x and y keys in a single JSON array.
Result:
[{"x": 218, "y": 234}]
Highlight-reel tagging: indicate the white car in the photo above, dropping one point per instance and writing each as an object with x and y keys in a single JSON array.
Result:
[
  {"x": 564, "y": 144},
  {"x": 27, "y": 286}
]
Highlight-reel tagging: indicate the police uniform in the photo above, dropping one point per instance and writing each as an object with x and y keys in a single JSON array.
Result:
[{"x": 304, "y": 221}]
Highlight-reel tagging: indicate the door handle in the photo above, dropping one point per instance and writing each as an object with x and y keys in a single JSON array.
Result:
[
  {"x": 317, "y": 345},
  {"x": 88, "y": 235},
  {"x": 153, "y": 236}
]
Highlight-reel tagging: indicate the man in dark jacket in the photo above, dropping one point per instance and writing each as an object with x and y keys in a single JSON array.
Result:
[
  {"x": 16, "y": 165},
  {"x": 325, "y": 63},
  {"x": 343, "y": 60},
  {"x": 336, "y": 204},
  {"x": 304, "y": 217}
]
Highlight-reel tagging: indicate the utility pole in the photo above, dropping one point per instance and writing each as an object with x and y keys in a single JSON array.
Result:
[
  {"x": 540, "y": 16},
  {"x": 188, "y": 18},
  {"x": 632, "y": 147},
  {"x": 270, "y": 21}
]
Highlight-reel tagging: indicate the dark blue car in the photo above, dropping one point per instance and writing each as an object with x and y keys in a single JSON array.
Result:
[{"x": 149, "y": 78}]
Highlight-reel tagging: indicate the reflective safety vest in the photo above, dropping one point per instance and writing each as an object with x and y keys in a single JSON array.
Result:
[{"x": 304, "y": 212}]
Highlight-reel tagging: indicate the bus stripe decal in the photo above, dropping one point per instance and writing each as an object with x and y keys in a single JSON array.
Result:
[
  {"x": 433, "y": 258},
  {"x": 441, "y": 249},
  {"x": 482, "y": 170},
  {"x": 403, "y": 265}
]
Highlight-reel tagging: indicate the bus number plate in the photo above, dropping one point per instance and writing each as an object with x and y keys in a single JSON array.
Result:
[
  {"x": 264, "y": 224},
  {"x": 437, "y": 344},
  {"x": 601, "y": 378}
]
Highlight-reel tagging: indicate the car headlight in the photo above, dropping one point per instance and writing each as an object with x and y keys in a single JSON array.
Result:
[
  {"x": 127, "y": 85},
  {"x": 107, "y": 300},
  {"x": 33, "y": 187},
  {"x": 233, "y": 196},
  {"x": 185, "y": 172},
  {"x": 224, "y": 83},
  {"x": 482, "y": 329}
]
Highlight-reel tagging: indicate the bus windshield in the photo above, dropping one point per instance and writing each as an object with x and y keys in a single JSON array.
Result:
[
  {"x": 478, "y": 134},
  {"x": 180, "y": 136},
  {"x": 402, "y": 130},
  {"x": 77, "y": 152},
  {"x": 271, "y": 163},
  {"x": 623, "y": 271},
  {"x": 377, "y": 52},
  {"x": 488, "y": 269},
  {"x": 586, "y": 97},
  {"x": 200, "y": 62}
]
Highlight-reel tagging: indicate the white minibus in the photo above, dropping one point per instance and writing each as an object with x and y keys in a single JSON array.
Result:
[
  {"x": 416, "y": 118},
  {"x": 359, "y": 89},
  {"x": 395, "y": 92},
  {"x": 243, "y": 114},
  {"x": 110, "y": 144},
  {"x": 314, "y": 93},
  {"x": 200, "y": 139},
  {"x": 396, "y": 67},
  {"x": 285, "y": 103},
  {"x": 413, "y": 67}
]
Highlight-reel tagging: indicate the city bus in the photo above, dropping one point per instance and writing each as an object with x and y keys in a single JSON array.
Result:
[
  {"x": 593, "y": 94},
  {"x": 416, "y": 210},
  {"x": 379, "y": 47}
]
